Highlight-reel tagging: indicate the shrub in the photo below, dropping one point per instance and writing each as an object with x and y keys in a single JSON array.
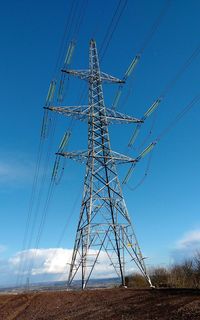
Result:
[
  {"x": 136, "y": 280},
  {"x": 160, "y": 277},
  {"x": 183, "y": 275}
]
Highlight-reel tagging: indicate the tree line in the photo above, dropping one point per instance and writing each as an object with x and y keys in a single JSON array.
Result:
[{"x": 181, "y": 275}]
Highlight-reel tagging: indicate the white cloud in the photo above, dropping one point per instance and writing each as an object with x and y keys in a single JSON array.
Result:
[
  {"x": 187, "y": 246},
  {"x": 52, "y": 264},
  {"x": 40, "y": 261},
  {"x": 190, "y": 239},
  {"x": 55, "y": 262},
  {"x": 15, "y": 166},
  {"x": 2, "y": 248},
  {"x": 14, "y": 171}
]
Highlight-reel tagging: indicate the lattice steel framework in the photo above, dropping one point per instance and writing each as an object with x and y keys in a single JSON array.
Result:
[{"x": 104, "y": 226}]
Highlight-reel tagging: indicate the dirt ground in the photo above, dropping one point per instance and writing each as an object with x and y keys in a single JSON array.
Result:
[{"x": 123, "y": 304}]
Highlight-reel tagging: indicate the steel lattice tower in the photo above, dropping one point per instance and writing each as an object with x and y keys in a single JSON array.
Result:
[{"x": 104, "y": 225}]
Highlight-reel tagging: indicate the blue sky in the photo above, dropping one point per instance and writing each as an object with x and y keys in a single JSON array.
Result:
[{"x": 165, "y": 208}]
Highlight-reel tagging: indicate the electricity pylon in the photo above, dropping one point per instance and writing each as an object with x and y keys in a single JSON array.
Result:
[{"x": 104, "y": 226}]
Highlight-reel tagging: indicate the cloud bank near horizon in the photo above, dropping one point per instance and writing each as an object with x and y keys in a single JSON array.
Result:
[{"x": 50, "y": 264}]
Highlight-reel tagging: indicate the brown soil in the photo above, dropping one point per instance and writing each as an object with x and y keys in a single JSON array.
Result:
[{"x": 123, "y": 304}]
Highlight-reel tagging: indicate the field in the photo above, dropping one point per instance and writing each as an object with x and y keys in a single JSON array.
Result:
[{"x": 169, "y": 304}]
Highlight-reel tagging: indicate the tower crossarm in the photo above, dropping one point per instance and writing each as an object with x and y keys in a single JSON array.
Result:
[
  {"x": 77, "y": 112},
  {"x": 82, "y": 156},
  {"x": 91, "y": 76},
  {"x": 115, "y": 116},
  {"x": 108, "y": 78},
  {"x": 82, "y": 112}
]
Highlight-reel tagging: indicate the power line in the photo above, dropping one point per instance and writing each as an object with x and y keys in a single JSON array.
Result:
[
  {"x": 65, "y": 228},
  {"x": 33, "y": 195},
  {"x": 155, "y": 26},
  {"x": 153, "y": 30},
  {"x": 38, "y": 200},
  {"x": 69, "y": 20},
  {"x": 40, "y": 152},
  {"x": 168, "y": 87},
  {"x": 141, "y": 181},
  {"x": 109, "y": 34},
  {"x": 164, "y": 132},
  {"x": 180, "y": 72},
  {"x": 112, "y": 27},
  {"x": 178, "y": 117},
  {"x": 30, "y": 208}
]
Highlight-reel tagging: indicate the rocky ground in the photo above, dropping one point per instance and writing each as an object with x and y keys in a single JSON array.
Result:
[{"x": 123, "y": 304}]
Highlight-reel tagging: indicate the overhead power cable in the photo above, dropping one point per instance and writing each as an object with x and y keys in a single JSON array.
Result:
[
  {"x": 179, "y": 116},
  {"x": 165, "y": 131},
  {"x": 112, "y": 27},
  {"x": 141, "y": 181},
  {"x": 165, "y": 91},
  {"x": 76, "y": 26},
  {"x": 50, "y": 193},
  {"x": 63, "y": 231},
  {"x": 30, "y": 208},
  {"x": 30, "y": 216},
  {"x": 71, "y": 24},
  {"x": 41, "y": 227},
  {"x": 141, "y": 155},
  {"x": 44, "y": 133},
  {"x": 180, "y": 72},
  {"x": 155, "y": 26},
  {"x": 114, "y": 22},
  {"x": 136, "y": 59},
  {"x": 38, "y": 200},
  {"x": 69, "y": 20},
  {"x": 74, "y": 20}
]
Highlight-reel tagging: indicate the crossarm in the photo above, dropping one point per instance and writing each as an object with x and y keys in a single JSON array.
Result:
[
  {"x": 82, "y": 156},
  {"x": 115, "y": 116},
  {"x": 91, "y": 76},
  {"x": 77, "y": 112},
  {"x": 81, "y": 113}
]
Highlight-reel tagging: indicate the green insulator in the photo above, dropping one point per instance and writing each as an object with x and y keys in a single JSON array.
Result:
[
  {"x": 44, "y": 124},
  {"x": 49, "y": 92},
  {"x": 153, "y": 107},
  {"x": 69, "y": 53},
  {"x": 131, "y": 67},
  {"x": 127, "y": 177},
  {"x": 55, "y": 169},
  {"x": 146, "y": 150},
  {"x": 53, "y": 87},
  {"x": 64, "y": 141},
  {"x": 60, "y": 91},
  {"x": 134, "y": 136},
  {"x": 117, "y": 97}
]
